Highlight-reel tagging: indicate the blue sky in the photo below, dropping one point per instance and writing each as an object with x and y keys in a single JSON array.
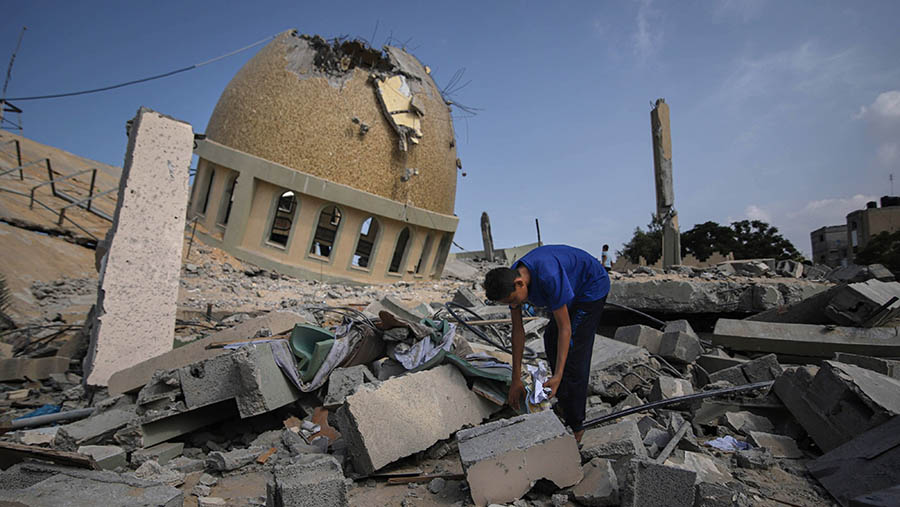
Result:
[{"x": 784, "y": 111}]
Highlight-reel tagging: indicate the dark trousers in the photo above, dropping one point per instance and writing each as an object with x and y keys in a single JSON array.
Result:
[{"x": 572, "y": 392}]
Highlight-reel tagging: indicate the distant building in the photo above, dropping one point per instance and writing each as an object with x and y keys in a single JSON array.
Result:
[
  {"x": 829, "y": 245},
  {"x": 865, "y": 223}
]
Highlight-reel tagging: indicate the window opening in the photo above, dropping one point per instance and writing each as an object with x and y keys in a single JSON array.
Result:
[
  {"x": 443, "y": 248},
  {"x": 368, "y": 232},
  {"x": 326, "y": 231},
  {"x": 229, "y": 194},
  {"x": 426, "y": 251},
  {"x": 284, "y": 218},
  {"x": 209, "y": 184},
  {"x": 399, "y": 251}
]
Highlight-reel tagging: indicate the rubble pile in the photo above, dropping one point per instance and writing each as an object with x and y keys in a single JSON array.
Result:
[{"x": 378, "y": 395}]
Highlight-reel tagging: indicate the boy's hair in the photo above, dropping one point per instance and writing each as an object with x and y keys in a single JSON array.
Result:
[
  {"x": 605, "y": 247},
  {"x": 500, "y": 283}
]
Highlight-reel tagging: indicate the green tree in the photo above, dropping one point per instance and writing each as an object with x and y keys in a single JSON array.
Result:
[
  {"x": 755, "y": 239},
  {"x": 644, "y": 244},
  {"x": 883, "y": 248},
  {"x": 704, "y": 239}
]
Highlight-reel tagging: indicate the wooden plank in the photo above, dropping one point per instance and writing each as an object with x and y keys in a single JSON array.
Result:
[{"x": 11, "y": 453}]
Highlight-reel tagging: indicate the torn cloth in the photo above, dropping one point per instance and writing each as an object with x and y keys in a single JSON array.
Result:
[{"x": 439, "y": 338}]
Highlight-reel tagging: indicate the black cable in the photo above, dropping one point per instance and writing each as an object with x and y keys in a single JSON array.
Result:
[
  {"x": 656, "y": 321},
  {"x": 143, "y": 80},
  {"x": 528, "y": 353}
]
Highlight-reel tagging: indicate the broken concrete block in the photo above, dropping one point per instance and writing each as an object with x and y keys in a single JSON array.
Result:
[
  {"x": 39, "y": 368},
  {"x": 664, "y": 387},
  {"x": 865, "y": 304},
  {"x": 343, "y": 382},
  {"x": 658, "y": 438},
  {"x": 806, "y": 340},
  {"x": 645, "y": 484},
  {"x": 646, "y": 423},
  {"x": 779, "y": 446},
  {"x": 467, "y": 298},
  {"x": 745, "y": 422},
  {"x": 315, "y": 481},
  {"x": 754, "y": 459},
  {"x": 680, "y": 347},
  {"x": 94, "y": 429},
  {"x": 888, "y": 367},
  {"x": 680, "y": 326},
  {"x": 161, "y": 453},
  {"x": 187, "y": 465},
  {"x": 37, "y": 436},
  {"x": 143, "y": 257},
  {"x": 866, "y": 464},
  {"x": 208, "y": 381},
  {"x": 461, "y": 270},
  {"x": 503, "y": 459},
  {"x": 615, "y": 441},
  {"x": 707, "y": 469},
  {"x": 69, "y": 486},
  {"x": 108, "y": 457},
  {"x": 715, "y": 495},
  {"x": 153, "y": 471},
  {"x": 262, "y": 386},
  {"x": 733, "y": 375},
  {"x": 713, "y": 363},
  {"x": 407, "y": 414},
  {"x": 640, "y": 336},
  {"x": 599, "y": 487},
  {"x": 232, "y": 460},
  {"x": 789, "y": 268},
  {"x": 762, "y": 369},
  {"x": 131, "y": 379}
]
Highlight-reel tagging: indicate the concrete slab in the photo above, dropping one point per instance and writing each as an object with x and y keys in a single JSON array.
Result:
[
  {"x": 640, "y": 336},
  {"x": 21, "y": 368},
  {"x": 133, "y": 378},
  {"x": 161, "y": 453},
  {"x": 779, "y": 446},
  {"x": 503, "y": 459},
  {"x": 806, "y": 340},
  {"x": 316, "y": 481},
  {"x": 92, "y": 430},
  {"x": 143, "y": 258},
  {"x": 865, "y": 304},
  {"x": 614, "y": 441},
  {"x": 680, "y": 347},
  {"x": 262, "y": 387},
  {"x": 343, "y": 382},
  {"x": 647, "y": 484},
  {"x": 407, "y": 414},
  {"x": 599, "y": 487},
  {"x": 888, "y": 367}
]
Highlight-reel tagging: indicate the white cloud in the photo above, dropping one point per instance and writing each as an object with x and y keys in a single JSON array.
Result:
[
  {"x": 754, "y": 212},
  {"x": 649, "y": 31},
  {"x": 883, "y": 120}
]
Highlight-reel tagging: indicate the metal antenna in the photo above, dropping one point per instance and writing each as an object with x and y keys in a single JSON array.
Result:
[{"x": 11, "y": 60}]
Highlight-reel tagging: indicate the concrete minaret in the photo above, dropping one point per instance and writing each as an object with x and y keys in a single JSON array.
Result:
[{"x": 665, "y": 194}]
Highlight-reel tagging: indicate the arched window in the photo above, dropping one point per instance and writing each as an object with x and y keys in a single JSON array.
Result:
[
  {"x": 366, "y": 242},
  {"x": 284, "y": 218},
  {"x": 326, "y": 231},
  {"x": 423, "y": 257},
  {"x": 399, "y": 251},
  {"x": 443, "y": 249}
]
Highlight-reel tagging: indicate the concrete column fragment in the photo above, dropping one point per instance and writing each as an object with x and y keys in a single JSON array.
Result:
[
  {"x": 139, "y": 274},
  {"x": 503, "y": 459},
  {"x": 805, "y": 339},
  {"x": 641, "y": 336},
  {"x": 407, "y": 414}
]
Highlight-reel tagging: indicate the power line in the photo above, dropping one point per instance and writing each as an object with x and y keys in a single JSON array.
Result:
[{"x": 144, "y": 80}]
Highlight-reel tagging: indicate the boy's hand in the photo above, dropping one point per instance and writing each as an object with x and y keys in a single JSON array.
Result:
[
  {"x": 553, "y": 384},
  {"x": 516, "y": 393}
]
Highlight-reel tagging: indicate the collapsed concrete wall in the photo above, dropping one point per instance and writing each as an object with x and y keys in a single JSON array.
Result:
[{"x": 143, "y": 260}]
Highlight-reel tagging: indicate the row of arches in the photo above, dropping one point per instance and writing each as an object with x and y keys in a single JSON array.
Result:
[{"x": 325, "y": 237}]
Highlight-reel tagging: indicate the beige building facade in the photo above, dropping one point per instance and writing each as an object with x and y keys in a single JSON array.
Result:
[
  {"x": 865, "y": 223},
  {"x": 330, "y": 161}
]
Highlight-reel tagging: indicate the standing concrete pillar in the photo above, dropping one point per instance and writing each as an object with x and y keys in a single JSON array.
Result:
[
  {"x": 665, "y": 194},
  {"x": 486, "y": 237},
  {"x": 139, "y": 274}
]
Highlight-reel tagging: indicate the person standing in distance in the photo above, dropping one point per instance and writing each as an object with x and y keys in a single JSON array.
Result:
[{"x": 573, "y": 285}]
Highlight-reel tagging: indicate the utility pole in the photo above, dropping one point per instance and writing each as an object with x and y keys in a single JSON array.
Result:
[
  {"x": 9, "y": 74},
  {"x": 665, "y": 193}
]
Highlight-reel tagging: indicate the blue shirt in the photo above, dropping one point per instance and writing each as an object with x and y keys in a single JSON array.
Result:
[{"x": 563, "y": 274}]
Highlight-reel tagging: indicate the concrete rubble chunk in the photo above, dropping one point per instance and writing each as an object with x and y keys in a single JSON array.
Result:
[
  {"x": 262, "y": 386},
  {"x": 209, "y": 381},
  {"x": 394, "y": 306},
  {"x": 715, "y": 495},
  {"x": 37, "y": 436},
  {"x": 640, "y": 336},
  {"x": 889, "y": 367},
  {"x": 864, "y": 465},
  {"x": 840, "y": 402},
  {"x": 503, "y": 459},
  {"x": 314, "y": 481},
  {"x": 133, "y": 378},
  {"x": 39, "y": 368},
  {"x": 144, "y": 244},
  {"x": 706, "y": 468},
  {"x": 465, "y": 297},
  {"x": 69, "y": 486},
  {"x": 94, "y": 429},
  {"x": 805, "y": 339},
  {"x": 232, "y": 460},
  {"x": 459, "y": 269},
  {"x": 865, "y": 304},
  {"x": 599, "y": 487},
  {"x": 664, "y": 387},
  {"x": 407, "y": 414},
  {"x": 615, "y": 441},
  {"x": 211, "y": 501},
  {"x": 789, "y": 268},
  {"x": 779, "y": 446},
  {"x": 713, "y": 362},
  {"x": 745, "y": 422},
  {"x": 680, "y": 347},
  {"x": 150, "y": 470},
  {"x": 344, "y": 381},
  {"x": 108, "y": 457},
  {"x": 682, "y": 326},
  {"x": 161, "y": 453},
  {"x": 645, "y": 484},
  {"x": 762, "y": 369}
]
